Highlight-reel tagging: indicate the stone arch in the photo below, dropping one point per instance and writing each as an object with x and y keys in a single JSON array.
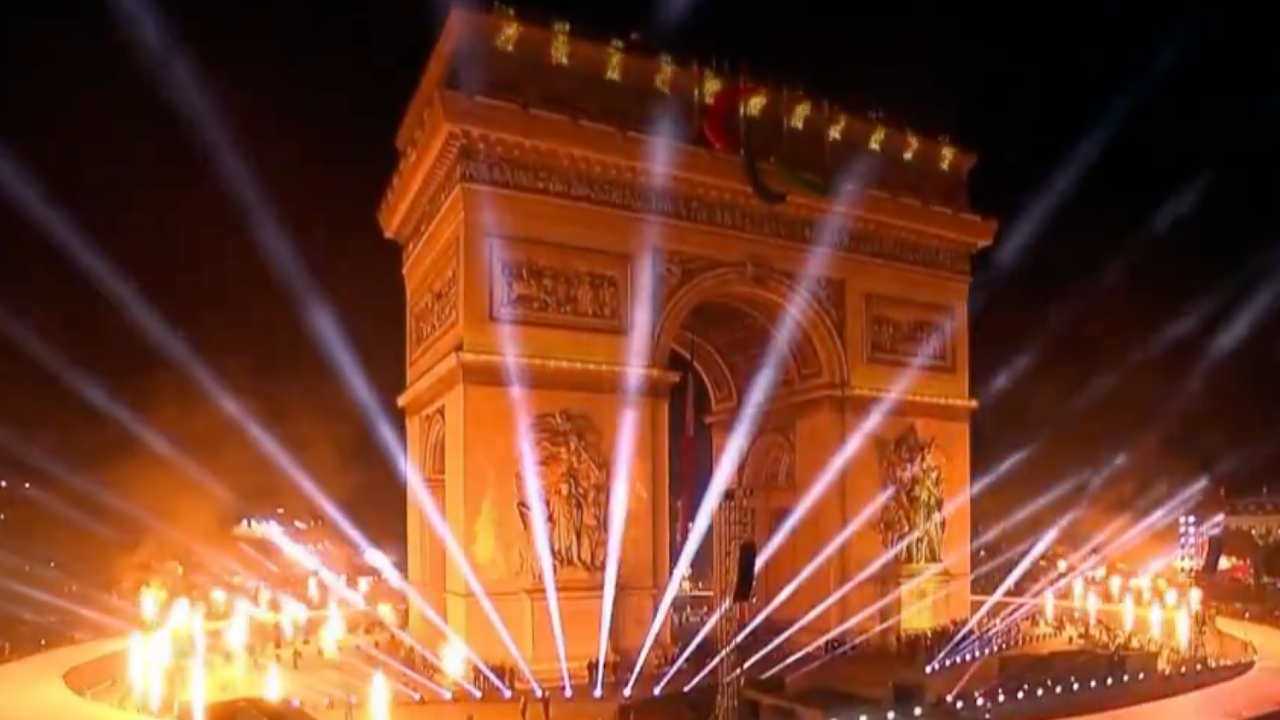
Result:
[
  {"x": 433, "y": 446},
  {"x": 770, "y": 463},
  {"x": 710, "y": 367},
  {"x": 817, "y": 355}
]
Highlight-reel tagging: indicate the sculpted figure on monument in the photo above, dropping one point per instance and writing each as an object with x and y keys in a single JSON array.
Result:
[
  {"x": 913, "y": 515},
  {"x": 575, "y": 488}
]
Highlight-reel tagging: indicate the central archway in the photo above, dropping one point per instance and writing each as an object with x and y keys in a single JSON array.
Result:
[{"x": 716, "y": 332}]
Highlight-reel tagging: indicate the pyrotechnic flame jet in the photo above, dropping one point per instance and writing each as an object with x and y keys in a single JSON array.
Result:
[
  {"x": 179, "y": 78},
  {"x": 93, "y": 392},
  {"x": 1017, "y": 239},
  {"x": 1165, "y": 512},
  {"x": 850, "y": 184},
  {"x": 1094, "y": 484}
]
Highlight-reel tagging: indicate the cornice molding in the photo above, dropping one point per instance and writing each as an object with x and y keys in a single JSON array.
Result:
[
  {"x": 486, "y": 161},
  {"x": 494, "y": 370}
]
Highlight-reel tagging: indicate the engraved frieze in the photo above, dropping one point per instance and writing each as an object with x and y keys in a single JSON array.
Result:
[
  {"x": 538, "y": 283},
  {"x": 434, "y": 310},
  {"x": 491, "y": 168},
  {"x": 909, "y": 333}
]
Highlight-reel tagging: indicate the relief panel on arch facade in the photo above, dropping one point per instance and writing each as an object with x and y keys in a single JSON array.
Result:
[
  {"x": 902, "y": 332},
  {"x": 433, "y": 306},
  {"x": 573, "y": 472},
  {"x": 537, "y": 283}
]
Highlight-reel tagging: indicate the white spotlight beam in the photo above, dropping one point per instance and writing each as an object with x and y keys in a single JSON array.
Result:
[
  {"x": 1155, "y": 517},
  {"x": 987, "y": 537},
  {"x": 751, "y": 412},
  {"x": 849, "y": 624},
  {"x": 863, "y": 614},
  {"x": 620, "y": 473},
  {"x": 848, "y": 531},
  {"x": 69, "y": 239},
  {"x": 177, "y": 74},
  {"x": 532, "y": 492},
  {"x": 80, "y": 382},
  {"x": 1040, "y": 548}
]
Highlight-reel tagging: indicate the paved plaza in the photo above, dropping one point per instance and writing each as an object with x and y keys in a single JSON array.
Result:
[{"x": 34, "y": 689}]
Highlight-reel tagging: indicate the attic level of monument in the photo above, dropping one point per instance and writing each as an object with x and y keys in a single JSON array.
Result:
[{"x": 570, "y": 119}]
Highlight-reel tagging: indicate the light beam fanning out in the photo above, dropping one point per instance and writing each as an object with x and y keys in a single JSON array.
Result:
[
  {"x": 851, "y": 528},
  {"x": 753, "y": 403},
  {"x": 179, "y": 78}
]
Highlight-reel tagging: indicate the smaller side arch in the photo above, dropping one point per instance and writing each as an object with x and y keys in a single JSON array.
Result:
[
  {"x": 433, "y": 446},
  {"x": 770, "y": 463}
]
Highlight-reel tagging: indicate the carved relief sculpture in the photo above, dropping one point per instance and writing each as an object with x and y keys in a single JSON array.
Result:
[
  {"x": 912, "y": 519},
  {"x": 434, "y": 311},
  {"x": 575, "y": 488},
  {"x": 507, "y": 168},
  {"x": 909, "y": 333},
  {"x": 543, "y": 284}
]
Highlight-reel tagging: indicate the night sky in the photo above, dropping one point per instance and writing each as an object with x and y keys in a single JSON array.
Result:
[{"x": 1129, "y": 156}]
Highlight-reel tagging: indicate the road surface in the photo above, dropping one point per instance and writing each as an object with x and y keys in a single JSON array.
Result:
[
  {"x": 33, "y": 689},
  {"x": 1255, "y": 694}
]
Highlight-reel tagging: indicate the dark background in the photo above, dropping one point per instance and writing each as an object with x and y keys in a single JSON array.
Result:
[{"x": 1178, "y": 199}]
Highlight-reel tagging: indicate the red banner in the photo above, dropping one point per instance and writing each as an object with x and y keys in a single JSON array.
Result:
[{"x": 687, "y": 496}]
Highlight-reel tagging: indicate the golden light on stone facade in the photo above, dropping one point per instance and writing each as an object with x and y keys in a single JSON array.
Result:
[
  {"x": 877, "y": 138},
  {"x": 560, "y": 43},
  {"x": 616, "y": 57},
  {"x": 800, "y": 113},
  {"x": 946, "y": 156},
  {"x": 567, "y": 291},
  {"x": 509, "y": 32},
  {"x": 711, "y": 86},
  {"x": 666, "y": 69},
  {"x": 835, "y": 131},
  {"x": 913, "y": 144}
]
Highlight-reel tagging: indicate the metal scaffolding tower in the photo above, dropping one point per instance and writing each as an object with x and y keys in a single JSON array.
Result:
[{"x": 734, "y": 524}]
